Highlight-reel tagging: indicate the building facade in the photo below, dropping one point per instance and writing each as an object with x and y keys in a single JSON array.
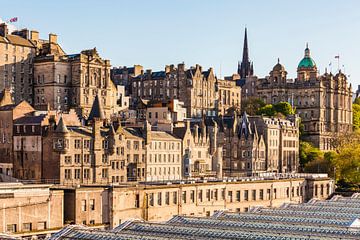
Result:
[
  {"x": 229, "y": 95},
  {"x": 253, "y": 145},
  {"x": 324, "y": 102},
  {"x": 30, "y": 210},
  {"x": 72, "y": 81},
  {"x": 17, "y": 52},
  {"x": 160, "y": 202},
  {"x": 195, "y": 87}
]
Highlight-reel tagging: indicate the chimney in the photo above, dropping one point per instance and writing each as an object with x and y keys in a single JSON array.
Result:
[
  {"x": 52, "y": 38},
  {"x": 34, "y": 35},
  {"x": 24, "y": 33},
  {"x": 3, "y": 30}
]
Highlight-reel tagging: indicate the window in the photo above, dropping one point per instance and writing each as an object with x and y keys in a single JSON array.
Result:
[
  {"x": 77, "y": 144},
  {"x": 105, "y": 158},
  {"x": 230, "y": 196},
  {"x": 83, "y": 205},
  {"x": 167, "y": 198},
  {"x": 77, "y": 174},
  {"x": 238, "y": 196},
  {"x": 105, "y": 144},
  {"x": 92, "y": 222},
  {"x": 223, "y": 194},
  {"x": 261, "y": 194},
  {"x": 246, "y": 195},
  {"x": 86, "y": 158},
  {"x": 27, "y": 227},
  {"x": 92, "y": 204},
  {"x": 159, "y": 198},
  {"x": 174, "y": 197},
  {"x": 86, "y": 173},
  {"x": 77, "y": 158},
  {"x": 137, "y": 200},
  {"x": 184, "y": 196},
  {"x": 41, "y": 225},
  {"x": 216, "y": 194},
  {"x": 151, "y": 199},
  {"x": 68, "y": 159},
  {"x": 192, "y": 196},
  {"x": 67, "y": 173},
  {"x": 11, "y": 228},
  {"x": 86, "y": 143},
  {"x": 105, "y": 173},
  {"x": 254, "y": 195}
]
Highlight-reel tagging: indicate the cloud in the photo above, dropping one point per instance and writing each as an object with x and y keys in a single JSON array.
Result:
[{"x": 11, "y": 27}]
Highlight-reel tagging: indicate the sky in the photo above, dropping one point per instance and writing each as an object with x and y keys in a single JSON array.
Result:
[{"x": 155, "y": 33}]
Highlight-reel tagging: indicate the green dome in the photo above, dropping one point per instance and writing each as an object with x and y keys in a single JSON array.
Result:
[{"x": 307, "y": 61}]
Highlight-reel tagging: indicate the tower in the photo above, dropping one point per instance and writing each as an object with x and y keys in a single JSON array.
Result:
[{"x": 245, "y": 68}]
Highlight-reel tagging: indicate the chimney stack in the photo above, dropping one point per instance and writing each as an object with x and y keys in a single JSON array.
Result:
[
  {"x": 24, "y": 33},
  {"x": 34, "y": 35},
  {"x": 3, "y": 30},
  {"x": 52, "y": 38}
]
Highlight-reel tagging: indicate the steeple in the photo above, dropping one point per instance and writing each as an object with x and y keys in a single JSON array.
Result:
[
  {"x": 61, "y": 126},
  {"x": 96, "y": 110},
  {"x": 245, "y": 69}
]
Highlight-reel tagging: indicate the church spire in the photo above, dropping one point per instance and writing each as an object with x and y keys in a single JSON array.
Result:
[{"x": 245, "y": 69}]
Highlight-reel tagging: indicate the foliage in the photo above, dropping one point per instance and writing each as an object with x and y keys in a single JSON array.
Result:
[
  {"x": 357, "y": 101},
  {"x": 307, "y": 154},
  {"x": 267, "y": 110},
  {"x": 284, "y": 108},
  {"x": 280, "y": 109},
  {"x": 343, "y": 164},
  {"x": 356, "y": 114},
  {"x": 251, "y": 105}
]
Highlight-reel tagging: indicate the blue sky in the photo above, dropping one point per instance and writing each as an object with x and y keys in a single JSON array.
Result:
[{"x": 208, "y": 32}]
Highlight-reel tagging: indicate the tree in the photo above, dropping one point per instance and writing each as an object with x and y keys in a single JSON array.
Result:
[
  {"x": 284, "y": 108},
  {"x": 356, "y": 115},
  {"x": 251, "y": 105},
  {"x": 267, "y": 110},
  {"x": 309, "y": 153}
]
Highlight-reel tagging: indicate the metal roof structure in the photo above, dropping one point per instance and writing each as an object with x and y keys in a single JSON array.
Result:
[{"x": 337, "y": 218}]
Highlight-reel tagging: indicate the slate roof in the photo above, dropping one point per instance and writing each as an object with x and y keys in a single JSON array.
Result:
[{"x": 96, "y": 110}]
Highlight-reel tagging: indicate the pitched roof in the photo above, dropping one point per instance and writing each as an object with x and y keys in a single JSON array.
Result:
[
  {"x": 17, "y": 40},
  {"x": 30, "y": 120},
  {"x": 61, "y": 127},
  {"x": 96, "y": 110}
]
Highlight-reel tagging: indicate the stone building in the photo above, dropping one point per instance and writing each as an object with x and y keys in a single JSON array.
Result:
[
  {"x": 324, "y": 102},
  {"x": 17, "y": 51},
  {"x": 110, "y": 206},
  {"x": 30, "y": 210},
  {"x": 121, "y": 76},
  {"x": 72, "y": 81},
  {"x": 229, "y": 95},
  {"x": 195, "y": 87},
  {"x": 253, "y": 145},
  {"x": 9, "y": 113},
  {"x": 199, "y": 159}
]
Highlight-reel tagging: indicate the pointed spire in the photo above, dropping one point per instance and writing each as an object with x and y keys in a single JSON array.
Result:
[
  {"x": 245, "y": 69},
  {"x": 61, "y": 126},
  {"x": 96, "y": 110},
  {"x": 245, "y": 48}
]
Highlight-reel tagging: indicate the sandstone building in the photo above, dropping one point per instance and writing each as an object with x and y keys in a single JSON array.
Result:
[
  {"x": 30, "y": 210},
  {"x": 72, "y": 81},
  {"x": 324, "y": 102},
  {"x": 194, "y": 87},
  {"x": 160, "y": 202},
  {"x": 17, "y": 52},
  {"x": 256, "y": 144}
]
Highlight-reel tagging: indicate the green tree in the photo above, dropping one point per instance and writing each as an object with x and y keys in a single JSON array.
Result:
[
  {"x": 308, "y": 153},
  {"x": 284, "y": 108},
  {"x": 356, "y": 115},
  {"x": 267, "y": 110},
  {"x": 251, "y": 105}
]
